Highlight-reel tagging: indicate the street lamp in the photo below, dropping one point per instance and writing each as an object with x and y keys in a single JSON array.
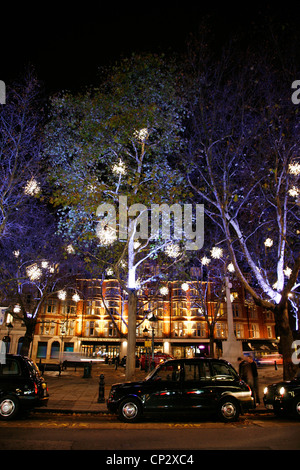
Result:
[{"x": 63, "y": 332}]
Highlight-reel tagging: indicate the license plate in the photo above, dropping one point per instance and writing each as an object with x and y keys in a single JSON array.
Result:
[{"x": 270, "y": 407}]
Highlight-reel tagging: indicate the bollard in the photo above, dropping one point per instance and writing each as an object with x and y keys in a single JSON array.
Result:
[
  {"x": 101, "y": 398},
  {"x": 275, "y": 364}
]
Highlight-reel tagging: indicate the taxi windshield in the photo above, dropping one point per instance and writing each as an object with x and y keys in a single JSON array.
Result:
[{"x": 151, "y": 373}]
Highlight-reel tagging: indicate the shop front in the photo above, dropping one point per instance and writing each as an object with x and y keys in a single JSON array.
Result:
[
  {"x": 188, "y": 349},
  {"x": 260, "y": 347},
  {"x": 100, "y": 348}
]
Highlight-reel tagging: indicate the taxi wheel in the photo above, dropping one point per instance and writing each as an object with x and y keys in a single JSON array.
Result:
[
  {"x": 9, "y": 407},
  {"x": 130, "y": 410},
  {"x": 228, "y": 410},
  {"x": 296, "y": 407}
]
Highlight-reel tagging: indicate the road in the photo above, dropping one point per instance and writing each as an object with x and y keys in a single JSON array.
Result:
[{"x": 42, "y": 431}]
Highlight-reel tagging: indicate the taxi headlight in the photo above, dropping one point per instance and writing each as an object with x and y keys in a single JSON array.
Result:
[
  {"x": 282, "y": 390},
  {"x": 265, "y": 390}
]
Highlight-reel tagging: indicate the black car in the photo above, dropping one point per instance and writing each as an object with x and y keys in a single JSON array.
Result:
[
  {"x": 197, "y": 384},
  {"x": 21, "y": 386},
  {"x": 283, "y": 397}
]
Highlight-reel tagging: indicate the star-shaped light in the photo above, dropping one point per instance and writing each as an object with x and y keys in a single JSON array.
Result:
[
  {"x": 268, "y": 242},
  {"x": 216, "y": 252},
  {"x": 32, "y": 187}
]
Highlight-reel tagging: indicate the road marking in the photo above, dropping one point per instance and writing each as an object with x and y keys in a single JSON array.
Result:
[{"x": 93, "y": 422}]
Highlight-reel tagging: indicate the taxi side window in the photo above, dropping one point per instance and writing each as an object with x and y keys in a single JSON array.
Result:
[
  {"x": 197, "y": 371},
  {"x": 169, "y": 373}
]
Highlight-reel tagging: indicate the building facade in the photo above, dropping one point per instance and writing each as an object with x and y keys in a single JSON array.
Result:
[{"x": 94, "y": 322}]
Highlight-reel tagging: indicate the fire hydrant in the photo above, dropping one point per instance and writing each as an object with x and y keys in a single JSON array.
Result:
[{"x": 101, "y": 398}]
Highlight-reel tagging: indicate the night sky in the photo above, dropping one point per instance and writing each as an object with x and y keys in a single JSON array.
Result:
[{"x": 67, "y": 42}]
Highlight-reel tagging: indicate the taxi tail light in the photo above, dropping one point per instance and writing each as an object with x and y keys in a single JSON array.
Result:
[{"x": 35, "y": 389}]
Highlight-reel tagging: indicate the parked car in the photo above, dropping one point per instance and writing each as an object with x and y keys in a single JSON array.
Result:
[
  {"x": 270, "y": 359},
  {"x": 283, "y": 397},
  {"x": 197, "y": 385},
  {"x": 158, "y": 359},
  {"x": 21, "y": 386}
]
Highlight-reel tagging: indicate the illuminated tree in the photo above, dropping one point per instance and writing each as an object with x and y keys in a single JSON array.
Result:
[
  {"x": 21, "y": 120},
  {"x": 34, "y": 265},
  {"x": 119, "y": 140},
  {"x": 244, "y": 166}
]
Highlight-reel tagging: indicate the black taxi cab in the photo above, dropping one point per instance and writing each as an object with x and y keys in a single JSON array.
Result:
[
  {"x": 196, "y": 385},
  {"x": 283, "y": 398},
  {"x": 21, "y": 386}
]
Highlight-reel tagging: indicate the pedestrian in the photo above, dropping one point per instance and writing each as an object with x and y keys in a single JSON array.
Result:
[
  {"x": 117, "y": 362},
  {"x": 255, "y": 379},
  {"x": 245, "y": 372},
  {"x": 242, "y": 362}
]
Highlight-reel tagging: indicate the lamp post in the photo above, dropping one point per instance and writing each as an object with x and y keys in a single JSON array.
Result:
[
  {"x": 153, "y": 319},
  {"x": 62, "y": 333},
  {"x": 145, "y": 332},
  {"x": 64, "y": 324}
]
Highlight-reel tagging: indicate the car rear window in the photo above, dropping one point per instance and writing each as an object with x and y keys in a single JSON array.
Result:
[
  {"x": 223, "y": 372},
  {"x": 11, "y": 367}
]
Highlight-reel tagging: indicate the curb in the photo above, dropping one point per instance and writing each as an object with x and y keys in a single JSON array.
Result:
[
  {"x": 70, "y": 412},
  {"x": 107, "y": 412}
]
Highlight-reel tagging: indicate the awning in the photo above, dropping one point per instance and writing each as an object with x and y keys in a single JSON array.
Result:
[{"x": 262, "y": 346}]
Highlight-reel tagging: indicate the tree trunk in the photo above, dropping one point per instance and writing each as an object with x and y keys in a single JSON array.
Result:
[
  {"x": 211, "y": 345},
  {"x": 131, "y": 341},
  {"x": 211, "y": 334},
  {"x": 28, "y": 337},
  {"x": 286, "y": 340}
]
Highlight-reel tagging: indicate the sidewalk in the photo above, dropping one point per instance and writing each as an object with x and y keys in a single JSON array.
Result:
[{"x": 72, "y": 393}]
